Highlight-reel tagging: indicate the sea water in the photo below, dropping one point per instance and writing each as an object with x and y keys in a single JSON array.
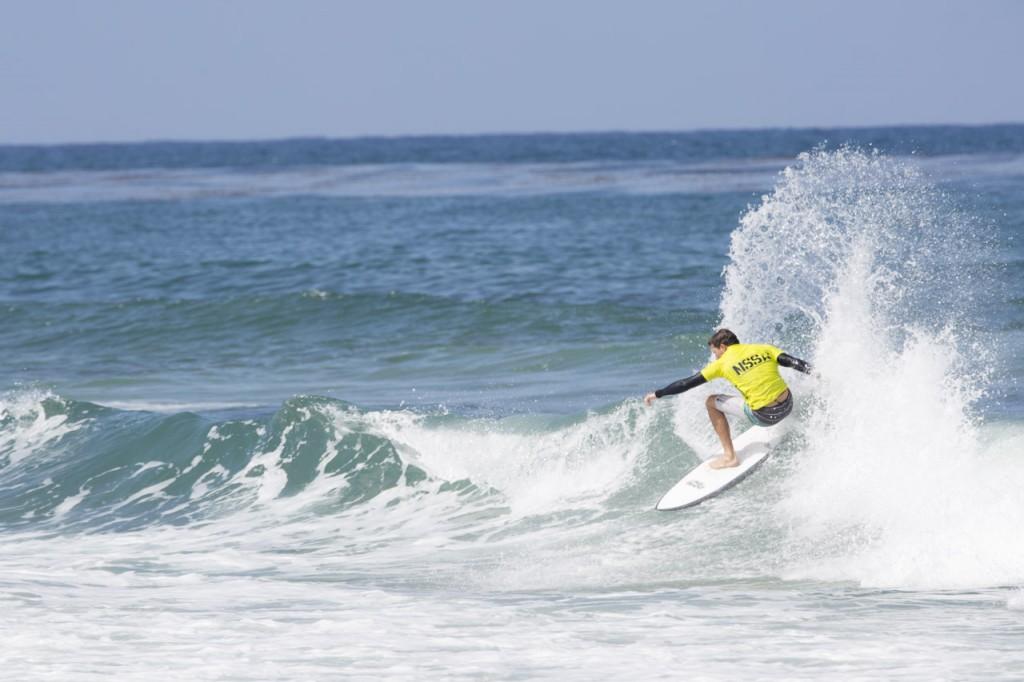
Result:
[{"x": 363, "y": 409}]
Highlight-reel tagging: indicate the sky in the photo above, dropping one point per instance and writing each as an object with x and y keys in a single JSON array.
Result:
[{"x": 132, "y": 70}]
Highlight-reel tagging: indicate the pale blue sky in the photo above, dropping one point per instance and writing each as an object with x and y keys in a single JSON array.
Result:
[{"x": 205, "y": 69}]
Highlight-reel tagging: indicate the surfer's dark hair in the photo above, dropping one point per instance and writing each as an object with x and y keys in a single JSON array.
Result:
[{"x": 723, "y": 337}]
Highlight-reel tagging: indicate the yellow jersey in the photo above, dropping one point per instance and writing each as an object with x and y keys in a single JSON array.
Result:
[{"x": 753, "y": 368}]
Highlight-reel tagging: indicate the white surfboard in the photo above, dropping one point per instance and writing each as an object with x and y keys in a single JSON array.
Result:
[{"x": 752, "y": 448}]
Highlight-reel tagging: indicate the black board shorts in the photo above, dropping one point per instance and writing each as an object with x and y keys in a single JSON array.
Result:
[{"x": 770, "y": 415}]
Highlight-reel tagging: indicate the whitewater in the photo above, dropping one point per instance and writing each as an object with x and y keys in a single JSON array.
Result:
[{"x": 249, "y": 459}]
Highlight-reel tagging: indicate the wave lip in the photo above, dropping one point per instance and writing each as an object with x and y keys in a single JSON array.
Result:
[{"x": 26, "y": 425}]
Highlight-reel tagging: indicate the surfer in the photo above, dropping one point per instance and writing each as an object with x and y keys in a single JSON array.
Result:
[{"x": 754, "y": 370}]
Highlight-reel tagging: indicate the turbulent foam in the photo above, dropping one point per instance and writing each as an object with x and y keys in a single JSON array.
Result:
[
  {"x": 505, "y": 504},
  {"x": 26, "y": 426},
  {"x": 536, "y": 468}
]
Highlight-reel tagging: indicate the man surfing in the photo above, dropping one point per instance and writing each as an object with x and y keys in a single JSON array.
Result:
[{"x": 752, "y": 368}]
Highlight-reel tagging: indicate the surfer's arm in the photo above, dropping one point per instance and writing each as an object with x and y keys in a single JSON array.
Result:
[
  {"x": 799, "y": 365},
  {"x": 681, "y": 385}
]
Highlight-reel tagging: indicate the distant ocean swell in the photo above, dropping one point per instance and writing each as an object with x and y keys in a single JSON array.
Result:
[
  {"x": 315, "y": 326},
  {"x": 643, "y": 177}
]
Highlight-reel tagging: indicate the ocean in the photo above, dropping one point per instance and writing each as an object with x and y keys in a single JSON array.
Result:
[{"x": 371, "y": 409}]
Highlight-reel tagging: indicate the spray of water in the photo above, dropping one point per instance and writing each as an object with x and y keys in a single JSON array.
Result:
[{"x": 857, "y": 262}]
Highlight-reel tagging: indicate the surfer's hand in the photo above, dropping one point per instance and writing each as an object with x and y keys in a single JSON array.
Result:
[{"x": 650, "y": 398}]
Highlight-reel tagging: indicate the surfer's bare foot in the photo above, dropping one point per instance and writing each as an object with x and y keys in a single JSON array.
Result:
[{"x": 724, "y": 462}]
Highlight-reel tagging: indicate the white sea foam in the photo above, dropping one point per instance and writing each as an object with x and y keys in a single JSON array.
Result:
[
  {"x": 536, "y": 470},
  {"x": 29, "y": 427}
]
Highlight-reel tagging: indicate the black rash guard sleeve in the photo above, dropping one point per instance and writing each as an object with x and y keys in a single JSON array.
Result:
[
  {"x": 681, "y": 385},
  {"x": 787, "y": 360}
]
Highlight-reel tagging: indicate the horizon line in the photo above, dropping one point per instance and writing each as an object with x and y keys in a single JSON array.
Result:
[{"x": 493, "y": 134}]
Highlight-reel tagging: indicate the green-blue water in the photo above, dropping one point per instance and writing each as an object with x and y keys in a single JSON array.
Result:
[{"x": 370, "y": 407}]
